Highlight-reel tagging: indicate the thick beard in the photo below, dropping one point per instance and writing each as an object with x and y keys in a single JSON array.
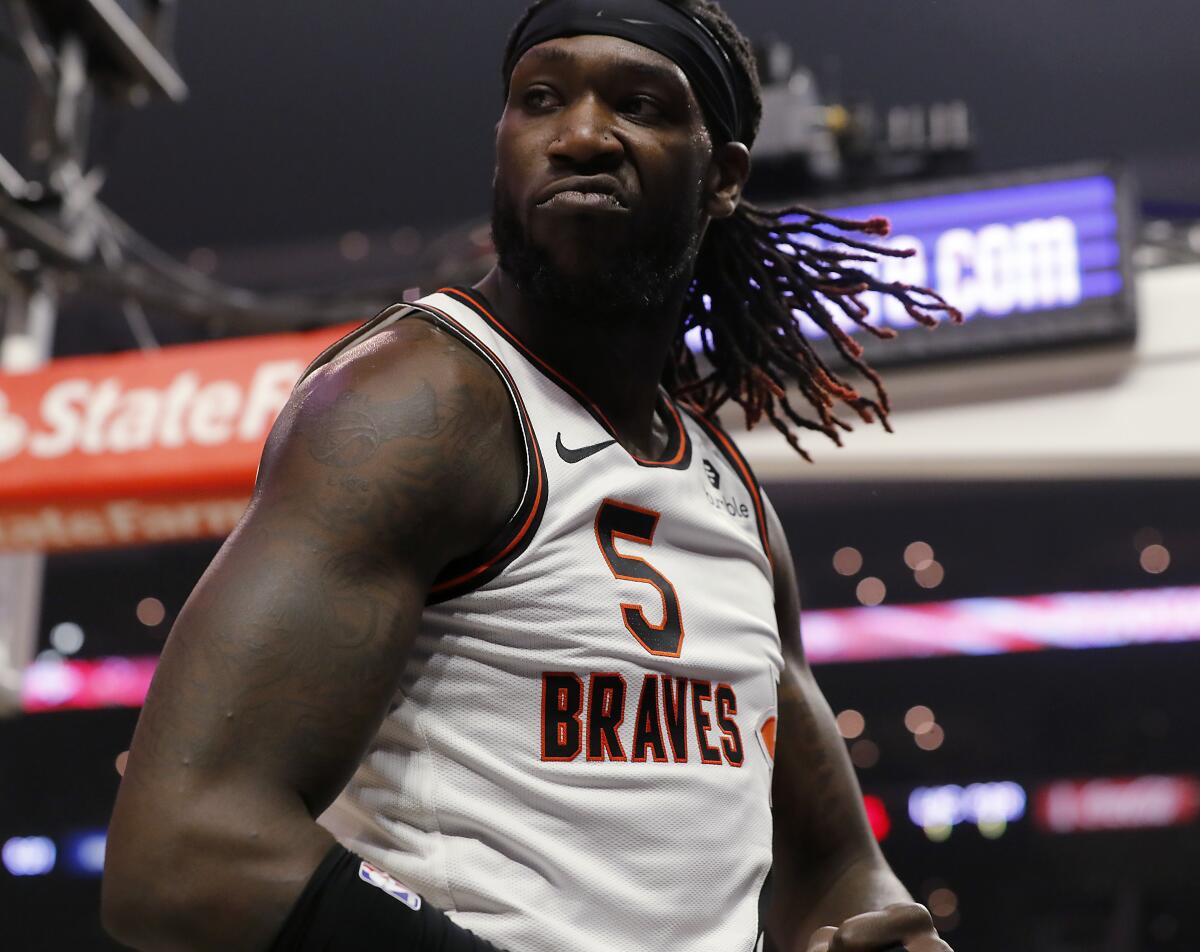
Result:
[{"x": 639, "y": 279}]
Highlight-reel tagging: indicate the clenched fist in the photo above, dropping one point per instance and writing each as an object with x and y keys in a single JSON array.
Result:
[{"x": 902, "y": 925}]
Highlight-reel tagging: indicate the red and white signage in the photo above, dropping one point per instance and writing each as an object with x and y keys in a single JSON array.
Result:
[
  {"x": 64, "y": 685},
  {"x": 980, "y": 626},
  {"x": 134, "y": 448},
  {"x": 1125, "y": 804}
]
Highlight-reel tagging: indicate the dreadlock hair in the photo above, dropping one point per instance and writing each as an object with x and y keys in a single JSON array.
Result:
[{"x": 753, "y": 278}]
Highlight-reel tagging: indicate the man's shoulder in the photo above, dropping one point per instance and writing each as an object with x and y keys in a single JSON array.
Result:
[
  {"x": 388, "y": 360},
  {"x": 409, "y": 426},
  {"x": 410, "y": 380}
]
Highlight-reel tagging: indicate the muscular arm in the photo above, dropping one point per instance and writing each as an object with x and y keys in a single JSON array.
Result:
[
  {"x": 828, "y": 866},
  {"x": 386, "y": 464}
]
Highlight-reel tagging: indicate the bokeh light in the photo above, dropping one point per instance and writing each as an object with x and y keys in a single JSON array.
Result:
[
  {"x": 847, "y": 561},
  {"x": 864, "y": 754},
  {"x": 28, "y": 855},
  {"x": 942, "y": 902},
  {"x": 918, "y": 555},
  {"x": 67, "y": 638},
  {"x": 932, "y": 739},
  {"x": 871, "y": 592},
  {"x": 851, "y": 724},
  {"x": 151, "y": 612},
  {"x": 354, "y": 246},
  {"x": 931, "y": 575},
  {"x": 919, "y": 719},
  {"x": 1155, "y": 559}
]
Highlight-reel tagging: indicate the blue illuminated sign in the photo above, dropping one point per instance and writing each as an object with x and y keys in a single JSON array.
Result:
[
  {"x": 84, "y": 854},
  {"x": 1032, "y": 264},
  {"x": 28, "y": 855},
  {"x": 80, "y": 853}
]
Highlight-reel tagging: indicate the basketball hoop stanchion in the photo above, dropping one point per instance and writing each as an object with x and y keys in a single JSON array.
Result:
[
  {"x": 51, "y": 224},
  {"x": 57, "y": 237},
  {"x": 54, "y": 208},
  {"x": 56, "y": 234}
]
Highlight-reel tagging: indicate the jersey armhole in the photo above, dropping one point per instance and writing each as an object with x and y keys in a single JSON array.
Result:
[
  {"x": 385, "y": 318},
  {"x": 469, "y": 572},
  {"x": 475, "y": 569}
]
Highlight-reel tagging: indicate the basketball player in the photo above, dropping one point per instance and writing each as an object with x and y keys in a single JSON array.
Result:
[{"x": 509, "y": 612}]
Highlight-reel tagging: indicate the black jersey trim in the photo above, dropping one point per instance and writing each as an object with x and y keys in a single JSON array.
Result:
[
  {"x": 678, "y": 451},
  {"x": 734, "y": 456},
  {"x": 471, "y": 571},
  {"x": 385, "y": 317}
]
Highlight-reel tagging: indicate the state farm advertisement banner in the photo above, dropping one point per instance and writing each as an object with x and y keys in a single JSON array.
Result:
[{"x": 141, "y": 447}]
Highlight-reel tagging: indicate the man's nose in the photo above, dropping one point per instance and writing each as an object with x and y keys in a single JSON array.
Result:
[{"x": 585, "y": 136}]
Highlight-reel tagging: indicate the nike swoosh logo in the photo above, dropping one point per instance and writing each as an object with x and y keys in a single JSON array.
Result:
[{"x": 578, "y": 456}]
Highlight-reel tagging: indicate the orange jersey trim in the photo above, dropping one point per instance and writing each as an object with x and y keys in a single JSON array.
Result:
[
  {"x": 766, "y": 731},
  {"x": 535, "y": 510}
]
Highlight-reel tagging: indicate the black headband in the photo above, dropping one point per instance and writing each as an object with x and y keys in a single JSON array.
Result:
[{"x": 656, "y": 25}]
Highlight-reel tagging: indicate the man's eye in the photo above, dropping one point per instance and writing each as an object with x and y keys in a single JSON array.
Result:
[
  {"x": 644, "y": 107},
  {"x": 538, "y": 98}
]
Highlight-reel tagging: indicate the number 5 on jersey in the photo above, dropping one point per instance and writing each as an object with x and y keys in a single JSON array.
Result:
[{"x": 620, "y": 520}]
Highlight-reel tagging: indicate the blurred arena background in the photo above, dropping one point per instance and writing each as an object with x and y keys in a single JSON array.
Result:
[{"x": 1002, "y": 599}]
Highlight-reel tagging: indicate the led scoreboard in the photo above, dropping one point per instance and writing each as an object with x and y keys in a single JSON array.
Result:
[{"x": 1033, "y": 260}]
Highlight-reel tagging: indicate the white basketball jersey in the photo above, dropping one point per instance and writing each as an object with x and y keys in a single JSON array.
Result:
[{"x": 580, "y": 755}]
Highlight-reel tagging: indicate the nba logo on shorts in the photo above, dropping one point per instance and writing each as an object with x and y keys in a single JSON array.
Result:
[{"x": 394, "y": 888}]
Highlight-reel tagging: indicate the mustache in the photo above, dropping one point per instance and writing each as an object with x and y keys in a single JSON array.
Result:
[{"x": 637, "y": 277}]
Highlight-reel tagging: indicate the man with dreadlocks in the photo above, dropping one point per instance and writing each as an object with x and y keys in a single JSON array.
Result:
[{"x": 508, "y": 594}]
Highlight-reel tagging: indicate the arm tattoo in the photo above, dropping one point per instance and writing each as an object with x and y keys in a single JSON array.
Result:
[
  {"x": 440, "y": 447},
  {"x": 291, "y": 641},
  {"x": 354, "y": 428}
]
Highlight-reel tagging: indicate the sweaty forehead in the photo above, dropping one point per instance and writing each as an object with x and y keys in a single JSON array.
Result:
[{"x": 601, "y": 56}]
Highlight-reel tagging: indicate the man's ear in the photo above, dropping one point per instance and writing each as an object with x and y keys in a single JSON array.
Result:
[{"x": 727, "y": 175}]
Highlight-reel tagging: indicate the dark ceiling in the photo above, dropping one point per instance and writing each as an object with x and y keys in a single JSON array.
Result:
[{"x": 309, "y": 118}]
